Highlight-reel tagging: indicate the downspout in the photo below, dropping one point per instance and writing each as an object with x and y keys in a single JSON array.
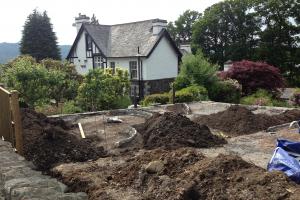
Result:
[{"x": 140, "y": 74}]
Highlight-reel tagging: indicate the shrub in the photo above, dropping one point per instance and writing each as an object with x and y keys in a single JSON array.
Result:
[
  {"x": 228, "y": 91},
  {"x": 191, "y": 93},
  {"x": 156, "y": 98},
  {"x": 101, "y": 90},
  {"x": 295, "y": 99},
  {"x": 195, "y": 69},
  {"x": 70, "y": 107},
  {"x": 38, "y": 82},
  {"x": 123, "y": 102},
  {"x": 263, "y": 98},
  {"x": 260, "y": 97},
  {"x": 255, "y": 75}
]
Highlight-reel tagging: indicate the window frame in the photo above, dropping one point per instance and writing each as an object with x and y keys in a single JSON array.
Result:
[
  {"x": 112, "y": 65},
  {"x": 98, "y": 62},
  {"x": 132, "y": 64}
]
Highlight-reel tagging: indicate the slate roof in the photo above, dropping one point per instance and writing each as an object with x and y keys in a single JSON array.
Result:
[{"x": 122, "y": 40}]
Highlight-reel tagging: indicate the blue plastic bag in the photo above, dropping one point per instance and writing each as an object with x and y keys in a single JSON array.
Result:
[{"x": 286, "y": 159}]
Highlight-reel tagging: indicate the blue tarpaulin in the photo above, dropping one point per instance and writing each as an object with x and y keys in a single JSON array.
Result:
[{"x": 286, "y": 159}]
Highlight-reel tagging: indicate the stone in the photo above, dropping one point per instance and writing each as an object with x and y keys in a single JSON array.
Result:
[{"x": 154, "y": 167}]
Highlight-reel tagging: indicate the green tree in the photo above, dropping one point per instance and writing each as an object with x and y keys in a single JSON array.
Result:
[
  {"x": 38, "y": 38},
  {"x": 103, "y": 90},
  {"x": 30, "y": 79},
  {"x": 72, "y": 79},
  {"x": 279, "y": 40},
  {"x": 195, "y": 69},
  {"x": 40, "y": 82},
  {"x": 181, "y": 29},
  {"x": 227, "y": 31}
]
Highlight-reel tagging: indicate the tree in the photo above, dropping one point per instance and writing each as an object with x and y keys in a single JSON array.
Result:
[
  {"x": 195, "y": 69},
  {"x": 40, "y": 82},
  {"x": 181, "y": 29},
  {"x": 227, "y": 31},
  {"x": 255, "y": 75},
  {"x": 279, "y": 40},
  {"x": 103, "y": 90},
  {"x": 38, "y": 38}
]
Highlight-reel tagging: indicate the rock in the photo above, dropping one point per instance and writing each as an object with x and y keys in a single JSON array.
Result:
[{"x": 154, "y": 167}]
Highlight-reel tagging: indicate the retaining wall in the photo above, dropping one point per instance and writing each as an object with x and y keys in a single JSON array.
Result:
[{"x": 19, "y": 181}]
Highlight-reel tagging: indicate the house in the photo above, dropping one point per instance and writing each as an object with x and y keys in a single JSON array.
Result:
[{"x": 144, "y": 48}]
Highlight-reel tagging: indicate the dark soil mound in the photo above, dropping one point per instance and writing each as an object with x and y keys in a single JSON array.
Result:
[
  {"x": 171, "y": 130},
  {"x": 230, "y": 177},
  {"x": 47, "y": 142},
  {"x": 237, "y": 120}
]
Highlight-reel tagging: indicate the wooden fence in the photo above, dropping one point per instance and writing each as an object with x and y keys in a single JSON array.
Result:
[{"x": 10, "y": 119}]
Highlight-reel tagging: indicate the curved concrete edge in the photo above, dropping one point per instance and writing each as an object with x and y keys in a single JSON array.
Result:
[
  {"x": 76, "y": 116},
  {"x": 277, "y": 128},
  {"x": 125, "y": 141},
  {"x": 19, "y": 181}
]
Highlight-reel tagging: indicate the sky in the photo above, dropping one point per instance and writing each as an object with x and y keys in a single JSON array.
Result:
[{"x": 62, "y": 13}]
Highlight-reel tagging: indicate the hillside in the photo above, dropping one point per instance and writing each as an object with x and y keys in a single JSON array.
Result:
[{"x": 9, "y": 51}]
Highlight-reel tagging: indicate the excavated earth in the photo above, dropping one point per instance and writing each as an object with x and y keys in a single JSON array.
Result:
[
  {"x": 171, "y": 130},
  {"x": 168, "y": 166},
  {"x": 48, "y": 142},
  {"x": 237, "y": 120},
  {"x": 181, "y": 174}
]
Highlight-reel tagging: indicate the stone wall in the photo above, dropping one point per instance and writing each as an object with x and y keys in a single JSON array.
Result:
[{"x": 19, "y": 181}]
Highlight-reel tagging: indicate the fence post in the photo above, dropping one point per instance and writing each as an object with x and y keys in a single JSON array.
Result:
[{"x": 16, "y": 116}]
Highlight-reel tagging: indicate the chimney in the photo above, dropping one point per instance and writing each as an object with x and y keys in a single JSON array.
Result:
[
  {"x": 81, "y": 19},
  {"x": 158, "y": 25}
]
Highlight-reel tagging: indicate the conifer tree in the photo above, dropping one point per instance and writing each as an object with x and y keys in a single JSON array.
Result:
[{"x": 38, "y": 38}]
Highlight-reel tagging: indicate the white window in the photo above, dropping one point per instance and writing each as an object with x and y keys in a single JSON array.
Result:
[
  {"x": 133, "y": 69},
  {"x": 97, "y": 61}
]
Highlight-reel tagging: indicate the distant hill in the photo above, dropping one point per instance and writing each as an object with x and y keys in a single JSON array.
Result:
[{"x": 9, "y": 51}]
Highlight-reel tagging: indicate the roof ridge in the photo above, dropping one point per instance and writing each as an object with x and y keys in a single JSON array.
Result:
[{"x": 135, "y": 22}]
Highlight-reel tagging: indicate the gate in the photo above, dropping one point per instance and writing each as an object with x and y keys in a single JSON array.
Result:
[{"x": 10, "y": 119}]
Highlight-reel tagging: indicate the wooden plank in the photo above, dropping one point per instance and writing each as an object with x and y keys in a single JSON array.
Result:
[
  {"x": 81, "y": 130},
  {"x": 5, "y": 115},
  {"x": 16, "y": 118}
]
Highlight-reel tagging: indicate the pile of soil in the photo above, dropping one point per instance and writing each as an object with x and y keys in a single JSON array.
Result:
[
  {"x": 238, "y": 120},
  {"x": 230, "y": 177},
  {"x": 125, "y": 177},
  {"x": 186, "y": 175},
  {"x": 171, "y": 130},
  {"x": 49, "y": 141}
]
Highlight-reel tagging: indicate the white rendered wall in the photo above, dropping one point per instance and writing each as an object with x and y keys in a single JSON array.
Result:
[
  {"x": 81, "y": 54},
  {"x": 124, "y": 63},
  {"x": 162, "y": 63}
]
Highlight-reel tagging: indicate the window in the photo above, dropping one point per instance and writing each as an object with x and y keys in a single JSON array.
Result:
[
  {"x": 97, "y": 61},
  {"x": 113, "y": 66},
  {"x": 83, "y": 66},
  {"x": 133, "y": 69},
  {"x": 88, "y": 42}
]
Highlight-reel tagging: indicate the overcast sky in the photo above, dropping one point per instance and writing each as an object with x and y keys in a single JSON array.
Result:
[{"x": 13, "y": 13}]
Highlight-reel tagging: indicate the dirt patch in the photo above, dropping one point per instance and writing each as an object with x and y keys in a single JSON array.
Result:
[
  {"x": 48, "y": 142},
  {"x": 186, "y": 175},
  {"x": 237, "y": 120},
  {"x": 126, "y": 176},
  {"x": 230, "y": 177},
  {"x": 171, "y": 130}
]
